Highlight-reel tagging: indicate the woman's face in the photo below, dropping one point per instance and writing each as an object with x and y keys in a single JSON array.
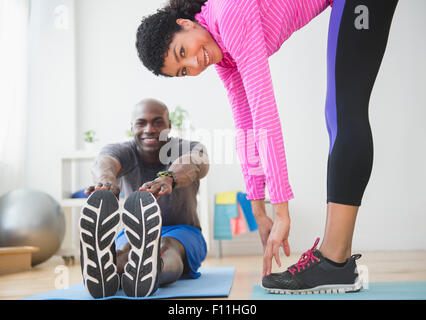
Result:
[{"x": 192, "y": 50}]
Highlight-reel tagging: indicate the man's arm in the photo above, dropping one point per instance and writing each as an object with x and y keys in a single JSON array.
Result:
[
  {"x": 186, "y": 169},
  {"x": 189, "y": 168},
  {"x": 104, "y": 173}
]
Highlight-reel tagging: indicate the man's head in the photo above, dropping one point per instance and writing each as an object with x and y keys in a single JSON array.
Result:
[
  {"x": 170, "y": 43},
  {"x": 149, "y": 119}
]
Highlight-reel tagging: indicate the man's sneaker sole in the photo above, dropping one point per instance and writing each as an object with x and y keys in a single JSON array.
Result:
[
  {"x": 141, "y": 218},
  {"x": 99, "y": 222},
  {"x": 332, "y": 288}
]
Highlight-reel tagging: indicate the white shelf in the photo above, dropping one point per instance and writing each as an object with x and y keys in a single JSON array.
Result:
[
  {"x": 73, "y": 202},
  {"x": 69, "y": 163},
  {"x": 78, "y": 202},
  {"x": 80, "y": 155}
]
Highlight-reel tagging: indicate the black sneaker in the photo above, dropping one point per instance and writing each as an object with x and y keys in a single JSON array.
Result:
[
  {"x": 99, "y": 222},
  {"x": 142, "y": 224},
  {"x": 315, "y": 274}
]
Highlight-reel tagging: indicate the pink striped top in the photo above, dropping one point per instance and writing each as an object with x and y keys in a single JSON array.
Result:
[{"x": 248, "y": 32}]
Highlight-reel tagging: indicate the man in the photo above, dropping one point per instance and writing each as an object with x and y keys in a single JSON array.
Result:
[{"x": 159, "y": 178}]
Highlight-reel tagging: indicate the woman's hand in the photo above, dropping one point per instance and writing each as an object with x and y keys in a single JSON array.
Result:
[
  {"x": 277, "y": 237},
  {"x": 273, "y": 234},
  {"x": 264, "y": 223}
]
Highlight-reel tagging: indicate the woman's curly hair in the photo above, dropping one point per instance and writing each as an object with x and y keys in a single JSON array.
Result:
[{"x": 156, "y": 32}]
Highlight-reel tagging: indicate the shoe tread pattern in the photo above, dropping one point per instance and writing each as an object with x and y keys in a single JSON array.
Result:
[
  {"x": 142, "y": 224},
  {"x": 99, "y": 221}
]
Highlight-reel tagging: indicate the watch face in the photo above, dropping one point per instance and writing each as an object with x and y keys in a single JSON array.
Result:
[{"x": 164, "y": 174}]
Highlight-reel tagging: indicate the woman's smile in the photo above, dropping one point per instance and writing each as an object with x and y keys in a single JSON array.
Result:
[
  {"x": 206, "y": 57},
  {"x": 191, "y": 51}
]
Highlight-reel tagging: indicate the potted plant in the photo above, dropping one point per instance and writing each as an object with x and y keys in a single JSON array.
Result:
[
  {"x": 89, "y": 140},
  {"x": 129, "y": 133},
  {"x": 180, "y": 122}
]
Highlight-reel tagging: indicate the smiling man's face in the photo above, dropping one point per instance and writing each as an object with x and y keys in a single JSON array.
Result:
[
  {"x": 149, "y": 119},
  {"x": 191, "y": 51}
]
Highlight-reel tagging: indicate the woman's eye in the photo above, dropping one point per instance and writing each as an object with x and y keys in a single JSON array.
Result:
[
  {"x": 184, "y": 72},
  {"x": 182, "y": 52}
]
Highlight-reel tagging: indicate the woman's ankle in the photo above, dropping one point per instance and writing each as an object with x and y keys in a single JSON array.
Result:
[{"x": 335, "y": 254}]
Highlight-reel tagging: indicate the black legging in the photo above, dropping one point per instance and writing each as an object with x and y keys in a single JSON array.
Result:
[{"x": 358, "y": 34}]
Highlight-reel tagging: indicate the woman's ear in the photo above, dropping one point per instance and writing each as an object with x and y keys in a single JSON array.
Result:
[{"x": 185, "y": 23}]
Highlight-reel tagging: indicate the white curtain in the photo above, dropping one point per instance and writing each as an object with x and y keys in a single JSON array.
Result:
[{"x": 14, "y": 16}]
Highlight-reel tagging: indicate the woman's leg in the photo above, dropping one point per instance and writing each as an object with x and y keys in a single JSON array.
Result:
[
  {"x": 358, "y": 35},
  {"x": 337, "y": 241}
]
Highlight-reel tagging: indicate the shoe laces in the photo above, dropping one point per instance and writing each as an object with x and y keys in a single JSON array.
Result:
[{"x": 305, "y": 260}]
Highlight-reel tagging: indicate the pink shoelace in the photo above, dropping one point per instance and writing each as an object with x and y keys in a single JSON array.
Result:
[{"x": 305, "y": 259}]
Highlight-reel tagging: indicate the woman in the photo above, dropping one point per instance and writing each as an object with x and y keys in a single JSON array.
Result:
[{"x": 237, "y": 37}]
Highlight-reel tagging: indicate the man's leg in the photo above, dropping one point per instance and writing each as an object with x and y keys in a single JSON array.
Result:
[
  {"x": 173, "y": 256},
  {"x": 122, "y": 258}
]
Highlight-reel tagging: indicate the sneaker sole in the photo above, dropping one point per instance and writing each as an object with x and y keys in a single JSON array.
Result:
[
  {"x": 99, "y": 222},
  {"x": 331, "y": 288},
  {"x": 141, "y": 218}
]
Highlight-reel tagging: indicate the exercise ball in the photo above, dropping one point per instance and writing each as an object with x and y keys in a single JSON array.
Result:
[{"x": 31, "y": 218}]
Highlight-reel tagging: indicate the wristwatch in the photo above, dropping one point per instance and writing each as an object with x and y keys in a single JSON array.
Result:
[{"x": 168, "y": 174}]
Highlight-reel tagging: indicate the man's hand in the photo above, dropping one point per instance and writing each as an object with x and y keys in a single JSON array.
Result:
[
  {"x": 104, "y": 186},
  {"x": 159, "y": 186}
]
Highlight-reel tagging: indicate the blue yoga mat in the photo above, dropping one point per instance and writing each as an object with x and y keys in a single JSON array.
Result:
[
  {"x": 213, "y": 282},
  {"x": 375, "y": 291}
]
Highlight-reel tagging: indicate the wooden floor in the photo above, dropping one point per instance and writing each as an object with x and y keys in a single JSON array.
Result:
[{"x": 382, "y": 266}]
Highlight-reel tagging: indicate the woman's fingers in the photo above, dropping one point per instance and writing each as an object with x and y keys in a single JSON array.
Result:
[
  {"x": 276, "y": 253},
  {"x": 278, "y": 237},
  {"x": 267, "y": 260},
  {"x": 271, "y": 253},
  {"x": 286, "y": 248}
]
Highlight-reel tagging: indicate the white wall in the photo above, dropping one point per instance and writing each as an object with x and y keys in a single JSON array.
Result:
[
  {"x": 51, "y": 103},
  {"x": 110, "y": 80}
]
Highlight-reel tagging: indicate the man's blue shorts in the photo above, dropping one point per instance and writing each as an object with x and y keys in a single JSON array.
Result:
[{"x": 190, "y": 237}]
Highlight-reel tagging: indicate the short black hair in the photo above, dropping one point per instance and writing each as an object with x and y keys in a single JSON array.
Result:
[
  {"x": 156, "y": 32},
  {"x": 153, "y": 39}
]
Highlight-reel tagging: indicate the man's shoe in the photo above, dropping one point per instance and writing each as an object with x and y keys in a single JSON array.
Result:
[
  {"x": 99, "y": 222},
  {"x": 142, "y": 224},
  {"x": 315, "y": 274}
]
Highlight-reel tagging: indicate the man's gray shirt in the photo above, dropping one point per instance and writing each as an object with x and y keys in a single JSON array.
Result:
[{"x": 179, "y": 207}]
